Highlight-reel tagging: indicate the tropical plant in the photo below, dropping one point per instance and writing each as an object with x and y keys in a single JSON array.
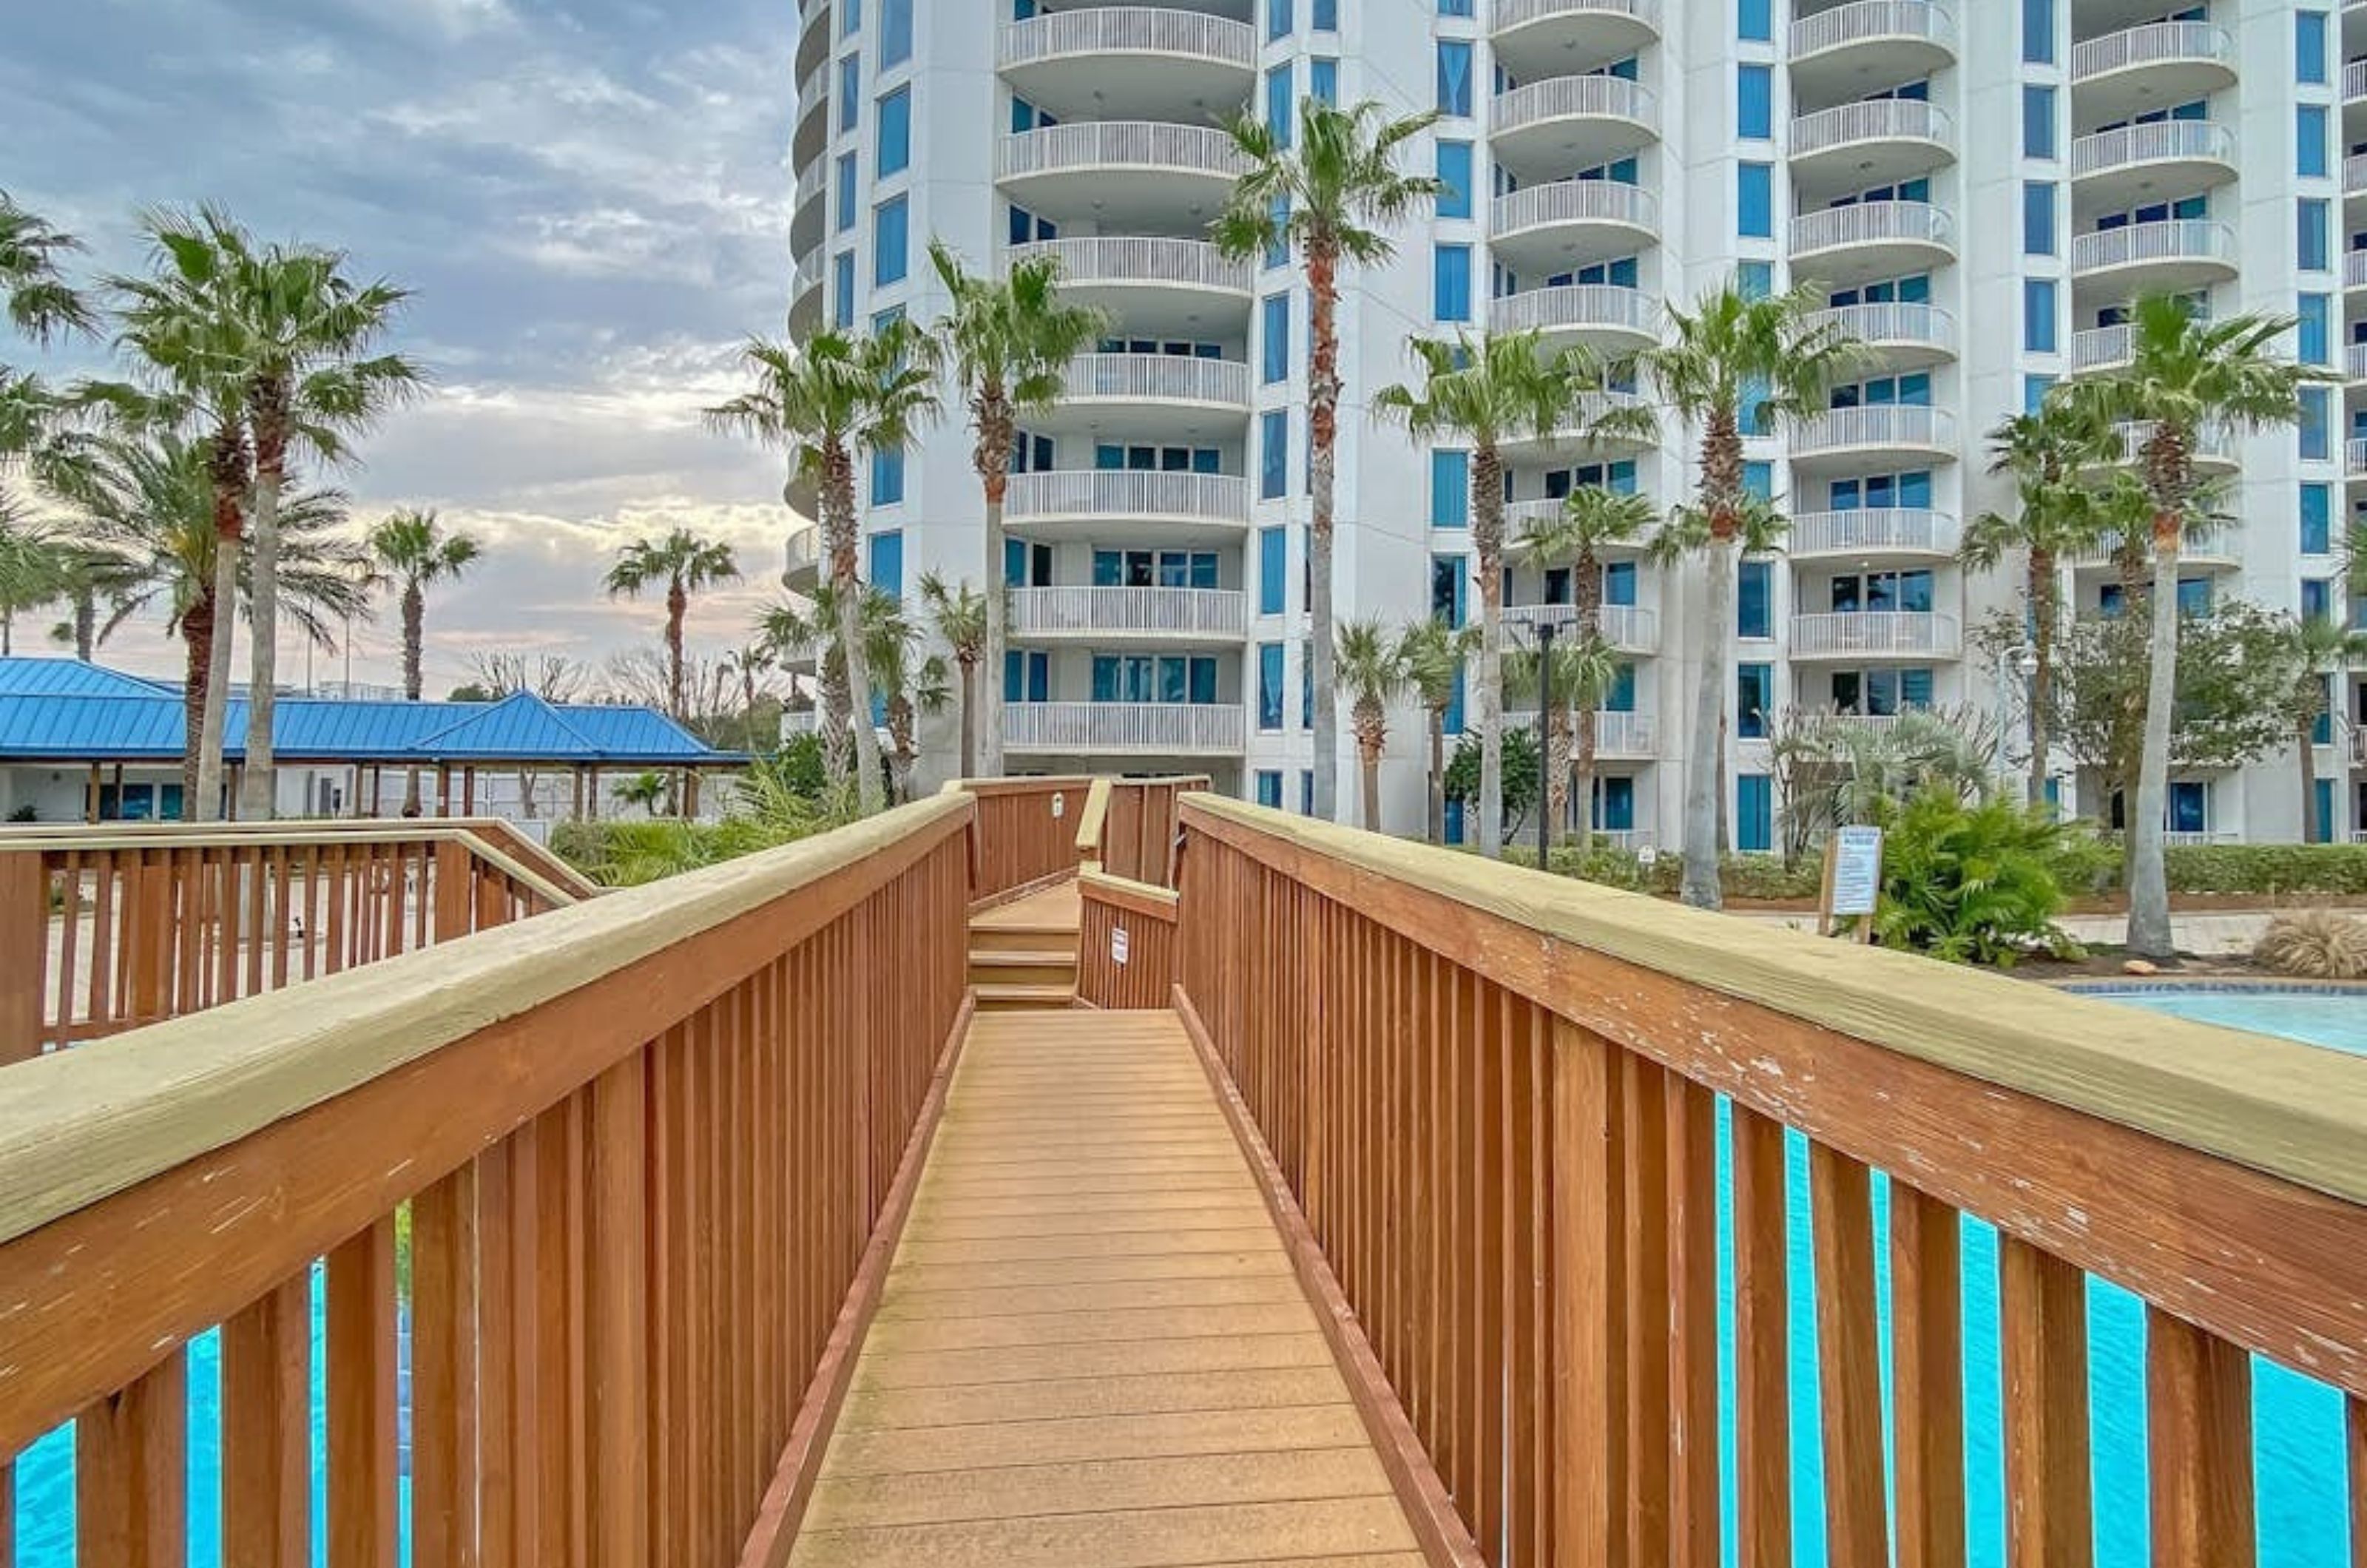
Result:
[
  {"x": 1969, "y": 882},
  {"x": 412, "y": 551},
  {"x": 1007, "y": 344},
  {"x": 827, "y": 399},
  {"x": 912, "y": 683},
  {"x": 2315, "y": 944},
  {"x": 800, "y": 630},
  {"x": 1521, "y": 777},
  {"x": 1735, "y": 359},
  {"x": 2185, "y": 378},
  {"x": 1584, "y": 669},
  {"x": 33, "y": 569},
  {"x": 41, "y": 305},
  {"x": 1332, "y": 196},
  {"x": 1371, "y": 670},
  {"x": 1594, "y": 521},
  {"x": 963, "y": 619},
  {"x": 647, "y": 790},
  {"x": 1434, "y": 654},
  {"x": 683, "y": 564},
  {"x": 749, "y": 664},
  {"x": 2312, "y": 648},
  {"x": 1490, "y": 391}
]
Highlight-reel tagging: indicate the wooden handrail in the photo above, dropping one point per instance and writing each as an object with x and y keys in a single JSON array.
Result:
[
  {"x": 1498, "y": 1099},
  {"x": 1025, "y": 835},
  {"x": 1128, "y": 827}
]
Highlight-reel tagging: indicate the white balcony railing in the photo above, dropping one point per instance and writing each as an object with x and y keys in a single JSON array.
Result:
[
  {"x": 1127, "y": 29},
  {"x": 1895, "y": 323},
  {"x": 1084, "y": 494},
  {"x": 2097, "y": 347},
  {"x": 1158, "y": 377},
  {"x": 1579, "y": 306},
  {"x": 1898, "y": 530},
  {"x": 1158, "y": 728},
  {"x": 1880, "y": 632},
  {"x": 803, "y": 553},
  {"x": 799, "y": 721},
  {"x": 2354, "y": 457},
  {"x": 2164, "y": 141},
  {"x": 1872, "y": 223},
  {"x": 1878, "y": 424},
  {"x": 814, "y": 90},
  {"x": 812, "y": 183},
  {"x": 2354, "y": 79},
  {"x": 2176, "y": 239},
  {"x": 1628, "y": 627},
  {"x": 809, "y": 273},
  {"x": 1865, "y": 21},
  {"x": 1176, "y": 612},
  {"x": 2354, "y": 269},
  {"x": 1869, "y": 119},
  {"x": 2213, "y": 444},
  {"x": 1120, "y": 144},
  {"x": 1507, "y": 15},
  {"x": 2156, "y": 44},
  {"x": 1185, "y": 264},
  {"x": 1575, "y": 201},
  {"x": 2354, "y": 361},
  {"x": 1618, "y": 736},
  {"x": 1572, "y": 97}
]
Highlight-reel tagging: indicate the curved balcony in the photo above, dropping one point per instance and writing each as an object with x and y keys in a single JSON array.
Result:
[
  {"x": 1152, "y": 388},
  {"x": 1871, "y": 142},
  {"x": 813, "y": 37},
  {"x": 1159, "y": 288},
  {"x": 801, "y": 558},
  {"x": 1534, "y": 37},
  {"x": 810, "y": 212},
  {"x": 1910, "y": 428},
  {"x": 1570, "y": 223},
  {"x": 1876, "y": 634},
  {"x": 2178, "y": 254},
  {"x": 1583, "y": 436},
  {"x": 1119, "y": 614},
  {"x": 1901, "y": 334},
  {"x": 1626, "y": 628},
  {"x": 812, "y": 120},
  {"x": 1521, "y": 515},
  {"x": 2354, "y": 82},
  {"x": 1602, "y": 313},
  {"x": 1155, "y": 729},
  {"x": 2138, "y": 69},
  {"x": 2100, "y": 348},
  {"x": 1116, "y": 502},
  {"x": 1837, "y": 50},
  {"x": 1550, "y": 128},
  {"x": 1872, "y": 238},
  {"x": 2214, "y": 449},
  {"x": 804, "y": 294},
  {"x": 1161, "y": 63},
  {"x": 1876, "y": 533},
  {"x": 2213, "y": 553},
  {"x": 2115, "y": 169},
  {"x": 1130, "y": 173}
]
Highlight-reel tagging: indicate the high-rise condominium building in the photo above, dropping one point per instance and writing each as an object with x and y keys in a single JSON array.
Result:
[{"x": 1977, "y": 187}]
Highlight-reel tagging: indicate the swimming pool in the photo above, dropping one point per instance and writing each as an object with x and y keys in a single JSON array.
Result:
[{"x": 2318, "y": 1016}]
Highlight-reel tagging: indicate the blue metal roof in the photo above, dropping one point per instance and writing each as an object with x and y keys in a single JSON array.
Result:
[{"x": 72, "y": 678}]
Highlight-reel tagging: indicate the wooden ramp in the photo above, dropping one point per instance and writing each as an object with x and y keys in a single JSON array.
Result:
[{"x": 1091, "y": 1351}]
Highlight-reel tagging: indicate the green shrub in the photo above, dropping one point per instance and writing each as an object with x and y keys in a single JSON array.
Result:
[
  {"x": 1970, "y": 884},
  {"x": 1758, "y": 878},
  {"x": 2267, "y": 869}
]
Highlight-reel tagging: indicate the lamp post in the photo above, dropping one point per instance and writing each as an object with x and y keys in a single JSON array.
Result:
[{"x": 1545, "y": 630}]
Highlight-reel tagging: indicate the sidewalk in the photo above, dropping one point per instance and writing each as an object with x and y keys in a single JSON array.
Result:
[{"x": 2219, "y": 934}]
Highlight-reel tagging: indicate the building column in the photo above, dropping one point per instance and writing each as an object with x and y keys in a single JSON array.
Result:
[{"x": 90, "y": 796}]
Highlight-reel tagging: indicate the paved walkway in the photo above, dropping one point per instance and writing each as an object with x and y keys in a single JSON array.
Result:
[
  {"x": 2205, "y": 935},
  {"x": 1091, "y": 1351}
]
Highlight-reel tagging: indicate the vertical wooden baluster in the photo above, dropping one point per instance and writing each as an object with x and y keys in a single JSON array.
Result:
[
  {"x": 444, "y": 1338},
  {"x": 266, "y": 1429},
  {"x": 1694, "y": 1509},
  {"x": 2199, "y": 1415},
  {"x": 151, "y": 980},
  {"x": 361, "y": 1351},
  {"x": 2043, "y": 1319},
  {"x": 2355, "y": 1433},
  {"x": 24, "y": 928},
  {"x": 254, "y": 873},
  {"x": 192, "y": 911},
  {"x": 1491, "y": 1262},
  {"x": 1927, "y": 1379},
  {"x": 502, "y": 1501},
  {"x": 62, "y": 988},
  {"x": 1529, "y": 1301},
  {"x": 1847, "y": 1360},
  {"x": 335, "y": 893},
  {"x": 131, "y": 1473},
  {"x": 228, "y": 924},
  {"x": 8, "y": 1514},
  {"x": 97, "y": 1005},
  {"x": 1643, "y": 1098},
  {"x": 616, "y": 1344},
  {"x": 1762, "y": 1416},
  {"x": 664, "y": 1316},
  {"x": 1590, "y": 1331}
]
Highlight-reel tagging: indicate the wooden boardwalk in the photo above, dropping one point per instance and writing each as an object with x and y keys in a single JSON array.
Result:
[{"x": 1091, "y": 1351}]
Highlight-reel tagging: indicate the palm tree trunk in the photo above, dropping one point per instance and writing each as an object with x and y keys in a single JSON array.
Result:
[
  {"x": 258, "y": 792},
  {"x": 982, "y": 737},
  {"x": 86, "y": 623},
  {"x": 1585, "y": 782},
  {"x": 198, "y": 653},
  {"x": 414, "y": 640},
  {"x": 2149, "y": 933},
  {"x": 837, "y": 726},
  {"x": 677, "y": 611},
  {"x": 7, "y": 633},
  {"x": 1488, "y": 536},
  {"x": 1323, "y": 421},
  {"x": 1438, "y": 775},
  {"x": 1707, "y": 766},
  {"x": 1556, "y": 762},
  {"x": 1371, "y": 737},
  {"x": 230, "y": 524},
  {"x": 969, "y": 718},
  {"x": 2042, "y": 669},
  {"x": 1587, "y": 574},
  {"x": 838, "y": 513},
  {"x": 2312, "y": 830}
]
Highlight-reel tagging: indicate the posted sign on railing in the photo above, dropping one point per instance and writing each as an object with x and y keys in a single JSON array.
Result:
[{"x": 1853, "y": 878}]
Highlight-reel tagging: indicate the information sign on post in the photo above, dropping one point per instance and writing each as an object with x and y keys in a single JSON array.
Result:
[{"x": 1853, "y": 878}]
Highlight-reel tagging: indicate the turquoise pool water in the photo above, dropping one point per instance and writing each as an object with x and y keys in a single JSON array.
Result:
[{"x": 2297, "y": 1423}]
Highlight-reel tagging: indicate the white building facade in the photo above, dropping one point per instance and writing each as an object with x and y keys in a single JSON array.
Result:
[{"x": 1977, "y": 187}]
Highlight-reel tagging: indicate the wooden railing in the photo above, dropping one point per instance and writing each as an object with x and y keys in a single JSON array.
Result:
[
  {"x": 1524, "y": 1118},
  {"x": 1026, "y": 832},
  {"x": 1126, "y": 865},
  {"x": 649, "y": 1153},
  {"x": 110, "y": 928},
  {"x": 1128, "y": 829}
]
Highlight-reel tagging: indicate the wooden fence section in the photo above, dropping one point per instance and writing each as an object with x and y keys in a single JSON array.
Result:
[
  {"x": 1130, "y": 828},
  {"x": 1496, "y": 1098},
  {"x": 1026, "y": 832},
  {"x": 642, "y": 1143},
  {"x": 109, "y": 928},
  {"x": 1127, "y": 947}
]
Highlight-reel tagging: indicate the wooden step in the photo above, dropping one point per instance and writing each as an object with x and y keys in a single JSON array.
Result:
[
  {"x": 1014, "y": 998},
  {"x": 1051, "y": 969},
  {"x": 1023, "y": 939}
]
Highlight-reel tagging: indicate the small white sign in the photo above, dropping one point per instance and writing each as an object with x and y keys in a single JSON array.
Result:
[
  {"x": 1647, "y": 857},
  {"x": 1060, "y": 806},
  {"x": 1857, "y": 869},
  {"x": 1117, "y": 946}
]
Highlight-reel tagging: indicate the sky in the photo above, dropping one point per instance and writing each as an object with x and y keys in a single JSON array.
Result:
[{"x": 590, "y": 199}]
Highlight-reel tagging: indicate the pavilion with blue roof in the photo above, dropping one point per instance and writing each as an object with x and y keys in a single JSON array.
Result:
[{"x": 81, "y": 740}]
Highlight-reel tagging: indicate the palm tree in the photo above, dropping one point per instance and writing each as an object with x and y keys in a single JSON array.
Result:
[
  {"x": 960, "y": 615},
  {"x": 2057, "y": 513},
  {"x": 1373, "y": 674},
  {"x": 412, "y": 551},
  {"x": 1585, "y": 667},
  {"x": 1007, "y": 344},
  {"x": 2184, "y": 378},
  {"x": 647, "y": 790},
  {"x": 910, "y": 683},
  {"x": 822, "y": 403},
  {"x": 750, "y": 663},
  {"x": 685, "y": 564},
  {"x": 1434, "y": 654},
  {"x": 41, "y": 306},
  {"x": 807, "y": 628},
  {"x": 1594, "y": 519},
  {"x": 1731, "y": 357},
  {"x": 2314, "y": 646},
  {"x": 32, "y": 570},
  {"x": 1490, "y": 390},
  {"x": 1333, "y": 199}
]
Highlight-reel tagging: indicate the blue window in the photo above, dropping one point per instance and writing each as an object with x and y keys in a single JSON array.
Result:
[
  {"x": 887, "y": 549},
  {"x": 2316, "y": 520},
  {"x": 2316, "y": 599},
  {"x": 1754, "y": 102},
  {"x": 2310, "y": 240},
  {"x": 1273, "y": 455},
  {"x": 1755, "y": 20},
  {"x": 2038, "y": 31},
  {"x": 1327, "y": 17},
  {"x": 1619, "y": 582},
  {"x": 2038, "y": 310},
  {"x": 1281, "y": 112},
  {"x": 1268, "y": 685},
  {"x": 1026, "y": 677},
  {"x": 895, "y": 32},
  {"x": 1273, "y": 339},
  {"x": 2194, "y": 595},
  {"x": 1754, "y": 200},
  {"x": 1448, "y": 594},
  {"x": 2314, "y": 314},
  {"x": 2309, "y": 142},
  {"x": 2309, "y": 47},
  {"x": 2317, "y": 423},
  {"x": 887, "y": 478},
  {"x": 1455, "y": 76},
  {"x": 1323, "y": 80},
  {"x": 842, "y": 198},
  {"x": 1274, "y": 570},
  {"x": 2189, "y": 807},
  {"x": 1269, "y": 788},
  {"x": 850, "y": 92},
  {"x": 1454, "y": 7},
  {"x": 1277, "y": 18},
  {"x": 2037, "y": 121},
  {"x": 2038, "y": 218},
  {"x": 1754, "y": 600},
  {"x": 1754, "y": 699},
  {"x": 1306, "y": 792},
  {"x": 1754, "y": 279},
  {"x": 1758, "y": 478},
  {"x": 1454, "y": 822},
  {"x": 1755, "y": 813},
  {"x": 1450, "y": 488},
  {"x": 2324, "y": 736},
  {"x": 842, "y": 290},
  {"x": 1455, "y": 173},
  {"x": 1277, "y": 250},
  {"x": 1305, "y": 688},
  {"x": 850, "y": 17},
  {"x": 891, "y": 242},
  {"x": 2034, "y": 388},
  {"x": 1451, "y": 283},
  {"x": 895, "y": 132},
  {"x": 1615, "y": 804}
]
